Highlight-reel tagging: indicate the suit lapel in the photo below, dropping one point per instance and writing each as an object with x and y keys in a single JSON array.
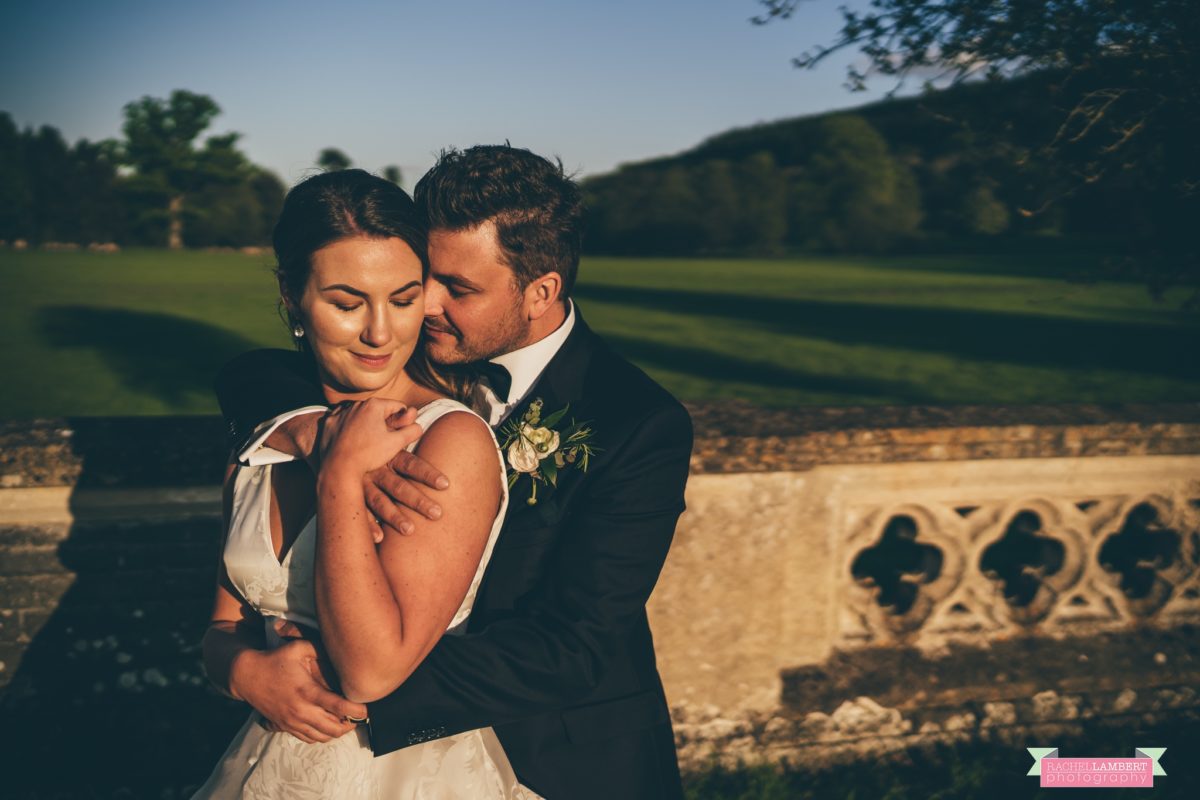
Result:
[
  {"x": 559, "y": 385},
  {"x": 562, "y": 380}
]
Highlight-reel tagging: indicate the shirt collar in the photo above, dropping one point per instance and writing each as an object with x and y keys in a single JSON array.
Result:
[{"x": 527, "y": 364}]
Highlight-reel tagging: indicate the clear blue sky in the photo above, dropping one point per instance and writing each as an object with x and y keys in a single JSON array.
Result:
[{"x": 597, "y": 83}]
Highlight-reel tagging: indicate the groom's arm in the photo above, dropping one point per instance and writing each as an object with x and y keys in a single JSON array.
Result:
[{"x": 551, "y": 652}]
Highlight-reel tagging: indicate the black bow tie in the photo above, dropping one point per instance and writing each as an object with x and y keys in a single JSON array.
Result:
[{"x": 497, "y": 377}]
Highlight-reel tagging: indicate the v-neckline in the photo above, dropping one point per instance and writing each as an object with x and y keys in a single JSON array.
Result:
[{"x": 281, "y": 558}]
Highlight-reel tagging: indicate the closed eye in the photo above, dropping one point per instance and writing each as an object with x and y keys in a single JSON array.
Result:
[
  {"x": 346, "y": 308},
  {"x": 455, "y": 286}
]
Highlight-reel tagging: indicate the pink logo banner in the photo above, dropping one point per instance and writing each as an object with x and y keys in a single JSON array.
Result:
[{"x": 1096, "y": 773}]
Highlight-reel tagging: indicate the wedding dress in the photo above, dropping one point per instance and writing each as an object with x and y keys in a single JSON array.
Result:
[{"x": 265, "y": 765}]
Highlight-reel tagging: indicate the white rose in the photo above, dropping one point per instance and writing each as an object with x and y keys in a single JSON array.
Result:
[
  {"x": 543, "y": 440},
  {"x": 522, "y": 456}
]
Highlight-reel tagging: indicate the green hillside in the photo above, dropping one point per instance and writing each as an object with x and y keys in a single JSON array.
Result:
[{"x": 966, "y": 163}]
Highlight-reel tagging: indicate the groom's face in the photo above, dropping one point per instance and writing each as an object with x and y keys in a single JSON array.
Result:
[{"x": 473, "y": 308}]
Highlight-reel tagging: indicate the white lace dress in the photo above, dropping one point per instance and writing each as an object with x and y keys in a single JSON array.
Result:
[{"x": 264, "y": 764}]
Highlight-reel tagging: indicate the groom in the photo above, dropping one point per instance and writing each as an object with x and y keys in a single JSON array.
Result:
[{"x": 558, "y": 657}]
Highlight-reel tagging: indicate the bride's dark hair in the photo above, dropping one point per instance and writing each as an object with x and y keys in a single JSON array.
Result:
[{"x": 332, "y": 206}]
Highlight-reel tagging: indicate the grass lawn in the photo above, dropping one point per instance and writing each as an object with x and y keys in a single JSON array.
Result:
[{"x": 144, "y": 331}]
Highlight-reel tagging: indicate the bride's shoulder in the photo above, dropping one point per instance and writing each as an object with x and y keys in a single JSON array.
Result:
[
  {"x": 459, "y": 442},
  {"x": 440, "y": 407},
  {"x": 452, "y": 419}
]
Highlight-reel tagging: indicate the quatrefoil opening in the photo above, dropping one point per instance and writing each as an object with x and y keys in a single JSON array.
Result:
[
  {"x": 1021, "y": 561},
  {"x": 1145, "y": 557},
  {"x": 897, "y": 566}
]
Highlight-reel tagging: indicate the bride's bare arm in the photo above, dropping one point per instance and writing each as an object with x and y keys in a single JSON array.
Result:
[
  {"x": 234, "y": 628},
  {"x": 283, "y": 684},
  {"x": 393, "y": 490},
  {"x": 382, "y": 609}
]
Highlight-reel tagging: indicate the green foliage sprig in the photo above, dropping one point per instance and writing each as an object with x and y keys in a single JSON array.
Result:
[{"x": 535, "y": 449}]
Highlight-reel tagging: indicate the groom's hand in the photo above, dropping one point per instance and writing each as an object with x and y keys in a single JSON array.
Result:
[
  {"x": 394, "y": 490},
  {"x": 391, "y": 490},
  {"x": 286, "y": 685}
]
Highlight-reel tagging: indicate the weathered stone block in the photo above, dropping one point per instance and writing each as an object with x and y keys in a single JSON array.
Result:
[
  {"x": 30, "y": 560},
  {"x": 36, "y": 591}
]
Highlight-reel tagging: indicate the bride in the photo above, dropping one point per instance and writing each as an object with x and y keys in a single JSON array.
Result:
[{"x": 300, "y": 548}]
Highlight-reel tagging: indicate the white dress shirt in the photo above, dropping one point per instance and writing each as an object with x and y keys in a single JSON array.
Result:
[{"x": 525, "y": 366}]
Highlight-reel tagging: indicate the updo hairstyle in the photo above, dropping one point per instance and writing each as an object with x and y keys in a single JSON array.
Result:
[{"x": 343, "y": 204}]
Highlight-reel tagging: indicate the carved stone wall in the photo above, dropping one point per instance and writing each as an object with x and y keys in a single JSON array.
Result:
[
  {"x": 940, "y": 552},
  {"x": 844, "y": 583},
  {"x": 849, "y": 610}
]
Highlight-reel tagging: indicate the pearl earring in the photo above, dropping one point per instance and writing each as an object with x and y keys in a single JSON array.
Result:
[{"x": 298, "y": 331}]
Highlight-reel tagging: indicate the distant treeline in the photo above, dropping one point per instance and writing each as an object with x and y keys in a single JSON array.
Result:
[
  {"x": 984, "y": 159},
  {"x": 51, "y": 191},
  {"x": 970, "y": 161},
  {"x": 159, "y": 184}
]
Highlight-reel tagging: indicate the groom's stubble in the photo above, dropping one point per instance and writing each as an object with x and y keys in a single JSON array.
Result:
[
  {"x": 474, "y": 309},
  {"x": 510, "y": 332}
]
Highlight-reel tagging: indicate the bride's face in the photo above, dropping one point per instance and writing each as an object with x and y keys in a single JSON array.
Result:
[{"x": 362, "y": 310}]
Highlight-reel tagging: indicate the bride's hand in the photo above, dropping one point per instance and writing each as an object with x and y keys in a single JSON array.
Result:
[
  {"x": 286, "y": 686},
  {"x": 321, "y": 670},
  {"x": 359, "y": 437}
]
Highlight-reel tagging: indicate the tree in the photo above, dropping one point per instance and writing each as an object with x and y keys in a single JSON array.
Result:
[
  {"x": 618, "y": 221},
  {"x": 762, "y": 197},
  {"x": 392, "y": 173},
  {"x": 160, "y": 137},
  {"x": 236, "y": 214},
  {"x": 48, "y": 159},
  {"x": 982, "y": 212},
  {"x": 269, "y": 191},
  {"x": 720, "y": 208},
  {"x": 331, "y": 160},
  {"x": 852, "y": 194},
  {"x": 1126, "y": 74},
  {"x": 52, "y": 192},
  {"x": 98, "y": 213},
  {"x": 16, "y": 196}
]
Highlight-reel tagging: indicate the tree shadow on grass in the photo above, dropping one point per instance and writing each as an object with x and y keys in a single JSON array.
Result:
[
  {"x": 1068, "y": 260},
  {"x": 1008, "y": 337},
  {"x": 171, "y": 358},
  {"x": 707, "y": 364}
]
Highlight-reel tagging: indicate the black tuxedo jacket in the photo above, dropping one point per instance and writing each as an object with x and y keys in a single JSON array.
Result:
[{"x": 558, "y": 656}]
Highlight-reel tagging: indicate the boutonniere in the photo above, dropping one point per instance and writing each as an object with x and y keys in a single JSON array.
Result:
[{"x": 536, "y": 449}]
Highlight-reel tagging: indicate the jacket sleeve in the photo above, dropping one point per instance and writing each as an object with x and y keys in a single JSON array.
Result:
[
  {"x": 550, "y": 652},
  {"x": 261, "y": 385}
]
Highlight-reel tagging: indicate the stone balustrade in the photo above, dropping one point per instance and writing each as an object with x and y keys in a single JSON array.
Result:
[
  {"x": 845, "y": 582},
  {"x": 880, "y": 578}
]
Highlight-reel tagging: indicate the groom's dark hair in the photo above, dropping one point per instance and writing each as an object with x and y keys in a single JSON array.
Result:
[{"x": 536, "y": 206}]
